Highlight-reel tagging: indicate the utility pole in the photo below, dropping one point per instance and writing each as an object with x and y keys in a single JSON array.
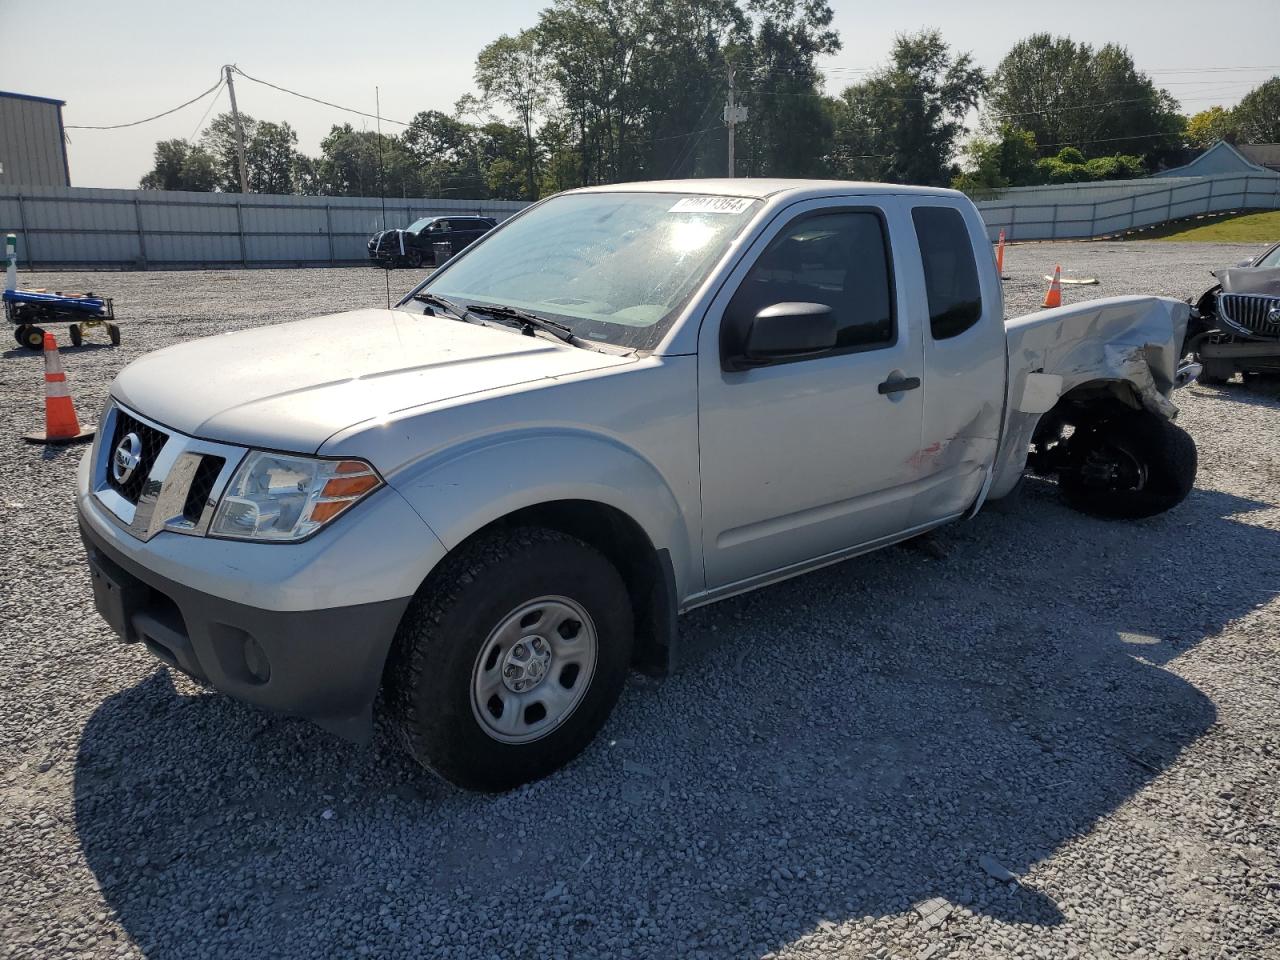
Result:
[
  {"x": 235, "y": 116},
  {"x": 733, "y": 115}
]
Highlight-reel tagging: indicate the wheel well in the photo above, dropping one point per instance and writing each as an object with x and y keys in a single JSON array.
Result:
[
  {"x": 1086, "y": 403},
  {"x": 645, "y": 570}
]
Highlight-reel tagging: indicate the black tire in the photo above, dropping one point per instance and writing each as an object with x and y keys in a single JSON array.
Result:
[
  {"x": 1211, "y": 375},
  {"x": 429, "y": 677},
  {"x": 73, "y": 331},
  {"x": 1129, "y": 466},
  {"x": 114, "y": 333},
  {"x": 30, "y": 336},
  {"x": 415, "y": 259}
]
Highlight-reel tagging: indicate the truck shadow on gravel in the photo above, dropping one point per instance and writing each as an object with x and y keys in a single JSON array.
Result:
[{"x": 841, "y": 746}]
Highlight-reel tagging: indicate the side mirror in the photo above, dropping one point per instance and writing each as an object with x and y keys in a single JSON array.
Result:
[
  {"x": 1245, "y": 263},
  {"x": 783, "y": 331}
]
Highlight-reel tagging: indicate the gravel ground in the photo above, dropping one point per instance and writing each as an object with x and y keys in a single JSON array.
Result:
[{"x": 847, "y": 764}]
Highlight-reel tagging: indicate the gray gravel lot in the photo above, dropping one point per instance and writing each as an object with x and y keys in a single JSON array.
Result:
[{"x": 1092, "y": 706}]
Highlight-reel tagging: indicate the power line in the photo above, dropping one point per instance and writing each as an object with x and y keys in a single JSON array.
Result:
[
  {"x": 207, "y": 111},
  {"x": 134, "y": 123},
  {"x": 692, "y": 146},
  {"x": 336, "y": 106}
]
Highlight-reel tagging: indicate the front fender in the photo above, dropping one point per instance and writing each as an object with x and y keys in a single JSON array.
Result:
[
  {"x": 460, "y": 490},
  {"x": 1134, "y": 342}
]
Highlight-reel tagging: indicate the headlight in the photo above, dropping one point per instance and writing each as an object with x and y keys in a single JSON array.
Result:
[{"x": 274, "y": 496}]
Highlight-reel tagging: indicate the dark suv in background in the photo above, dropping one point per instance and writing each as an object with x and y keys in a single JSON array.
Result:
[{"x": 414, "y": 246}]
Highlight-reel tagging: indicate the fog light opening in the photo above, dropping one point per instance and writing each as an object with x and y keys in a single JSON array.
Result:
[{"x": 255, "y": 660}]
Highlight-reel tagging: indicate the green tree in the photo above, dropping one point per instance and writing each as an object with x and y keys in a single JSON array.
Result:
[
  {"x": 790, "y": 130},
  {"x": 446, "y": 152},
  {"x": 902, "y": 124},
  {"x": 1207, "y": 127},
  {"x": 180, "y": 165},
  {"x": 1068, "y": 93},
  {"x": 1005, "y": 160},
  {"x": 500, "y": 147},
  {"x": 219, "y": 139},
  {"x": 269, "y": 156},
  {"x": 515, "y": 72},
  {"x": 1258, "y": 113},
  {"x": 362, "y": 163}
]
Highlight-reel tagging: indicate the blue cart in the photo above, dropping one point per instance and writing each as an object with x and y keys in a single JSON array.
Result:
[{"x": 28, "y": 309}]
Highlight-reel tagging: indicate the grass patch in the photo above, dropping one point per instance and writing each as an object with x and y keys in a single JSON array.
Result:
[{"x": 1220, "y": 228}]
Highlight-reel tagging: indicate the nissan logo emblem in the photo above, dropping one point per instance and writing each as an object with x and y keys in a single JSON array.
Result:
[{"x": 125, "y": 459}]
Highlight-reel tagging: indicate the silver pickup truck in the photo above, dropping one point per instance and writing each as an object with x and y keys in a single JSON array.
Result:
[{"x": 492, "y": 500}]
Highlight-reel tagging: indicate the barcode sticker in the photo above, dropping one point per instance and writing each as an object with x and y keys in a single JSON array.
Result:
[{"x": 711, "y": 205}]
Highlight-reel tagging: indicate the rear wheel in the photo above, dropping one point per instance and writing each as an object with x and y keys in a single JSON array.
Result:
[
  {"x": 510, "y": 658},
  {"x": 1128, "y": 466},
  {"x": 114, "y": 333},
  {"x": 73, "y": 331}
]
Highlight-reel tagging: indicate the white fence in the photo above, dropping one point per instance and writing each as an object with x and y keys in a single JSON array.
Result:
[
  {"x": 86, "y": 227},
  {"x": 1076, "y": 211}
]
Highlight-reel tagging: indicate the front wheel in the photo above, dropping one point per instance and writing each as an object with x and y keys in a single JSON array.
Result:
[
  {"x": 510, "y": 658},
  {"x": 29, "y": 336},
  {"x": 1129, "y": 466}
]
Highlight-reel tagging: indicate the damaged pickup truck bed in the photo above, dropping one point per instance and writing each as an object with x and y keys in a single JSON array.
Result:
[{"x": 492, "y": 500}]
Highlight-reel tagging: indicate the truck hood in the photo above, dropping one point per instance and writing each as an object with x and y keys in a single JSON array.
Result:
[{"x": 293, "y": 385}]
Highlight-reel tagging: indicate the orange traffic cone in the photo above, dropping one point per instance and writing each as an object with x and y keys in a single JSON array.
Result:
[
  {"x": 1000, "y": 256},
  {"x": 1054, "y": 297},
  {"x": 60, "y": 422}
]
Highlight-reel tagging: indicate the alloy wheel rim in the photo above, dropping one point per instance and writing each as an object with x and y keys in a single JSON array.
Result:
[{"x": 534, "y": 669}]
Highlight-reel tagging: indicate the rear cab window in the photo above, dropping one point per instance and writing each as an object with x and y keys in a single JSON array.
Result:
[{"x": 950, "y": 272}]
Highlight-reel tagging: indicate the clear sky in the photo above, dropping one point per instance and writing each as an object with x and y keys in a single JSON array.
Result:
[{"x": 120, "y": 60}]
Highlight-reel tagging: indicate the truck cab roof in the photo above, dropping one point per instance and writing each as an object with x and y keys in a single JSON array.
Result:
[{"x": 764, "y": 188}]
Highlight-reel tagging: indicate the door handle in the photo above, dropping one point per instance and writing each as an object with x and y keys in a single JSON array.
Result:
[{"x": 897, "y": 386}]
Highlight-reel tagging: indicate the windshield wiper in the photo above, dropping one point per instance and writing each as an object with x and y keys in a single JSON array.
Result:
[
  {"x": 530, "y": 321},
  {"x": 443, "y": 303}
]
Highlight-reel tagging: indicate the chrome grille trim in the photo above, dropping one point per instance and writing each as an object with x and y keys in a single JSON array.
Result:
[
  {"x": 1247, "y": 314},
  {"x": 163, "y": 499}
]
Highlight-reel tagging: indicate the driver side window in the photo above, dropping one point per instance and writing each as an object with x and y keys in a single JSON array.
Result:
[{"x": 837, "y": 259}]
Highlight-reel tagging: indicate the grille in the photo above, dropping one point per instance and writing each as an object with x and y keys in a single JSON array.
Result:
[
  {"x": 152, "y": 441},
  {"x": 201, "y": 486},
  {"x": 1250, "y": 311}
]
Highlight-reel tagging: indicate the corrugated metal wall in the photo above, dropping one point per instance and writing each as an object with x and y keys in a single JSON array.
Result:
[
  {"x": 85, "y": 227},
  {"x": 31, "y": 147},
  {"x": 1076, "y": 211}
]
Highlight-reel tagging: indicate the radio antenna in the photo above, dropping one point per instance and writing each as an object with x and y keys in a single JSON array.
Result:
[{"x": 382, "y": 186}]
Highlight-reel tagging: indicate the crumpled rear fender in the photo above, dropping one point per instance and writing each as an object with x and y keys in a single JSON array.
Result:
[{"x": 1133, "y": 341}]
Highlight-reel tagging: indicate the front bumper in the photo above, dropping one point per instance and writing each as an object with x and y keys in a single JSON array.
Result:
[
  {"x": 300, "y": 628},
  {"x": 325, "y": 665}
]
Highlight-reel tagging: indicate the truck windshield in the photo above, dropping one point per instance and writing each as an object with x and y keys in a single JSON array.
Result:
[{"x": 613, "y": 267}]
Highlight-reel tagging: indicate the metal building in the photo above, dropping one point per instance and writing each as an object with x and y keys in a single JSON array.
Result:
[{"x": 33, "y": 148}]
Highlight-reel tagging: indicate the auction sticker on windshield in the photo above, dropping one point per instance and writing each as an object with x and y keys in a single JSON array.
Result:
[{"x": 711, "y": 205}]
